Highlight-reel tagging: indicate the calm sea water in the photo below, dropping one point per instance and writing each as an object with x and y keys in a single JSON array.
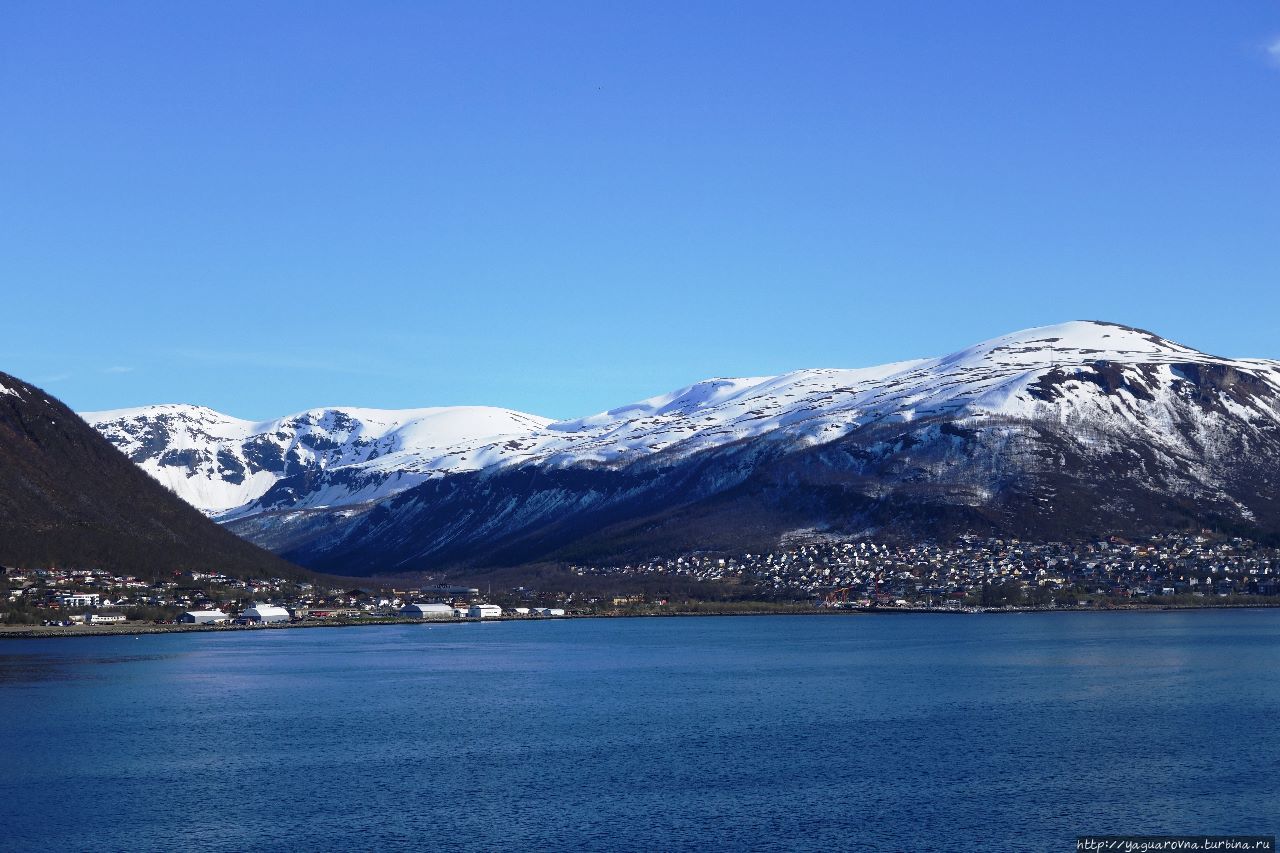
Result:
[{"x": 903, "y": 733}]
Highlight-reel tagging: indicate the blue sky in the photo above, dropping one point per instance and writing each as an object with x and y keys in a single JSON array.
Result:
[{"x": 561, "y": 207}]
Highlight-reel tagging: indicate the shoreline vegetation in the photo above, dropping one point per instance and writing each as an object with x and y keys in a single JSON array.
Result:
[{"x": 695, "y": 609}]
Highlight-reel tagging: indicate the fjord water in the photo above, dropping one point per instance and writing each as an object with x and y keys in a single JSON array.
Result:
[{"x": 1009, "y": 732}]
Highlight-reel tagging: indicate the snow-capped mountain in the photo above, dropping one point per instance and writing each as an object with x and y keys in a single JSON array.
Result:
[
  {"x": 1082, "y": 427},
  {"x": 225, "y": 466}
]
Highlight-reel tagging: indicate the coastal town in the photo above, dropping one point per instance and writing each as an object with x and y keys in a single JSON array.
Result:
[
  {"x": 85, "y": 597},
  {"x": 975, "y": 572},
  {"x": 967, "y": 574}
]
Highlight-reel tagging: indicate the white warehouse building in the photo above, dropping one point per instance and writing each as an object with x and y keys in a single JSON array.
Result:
[
  {"x": 484, "y": 611},
  {"x": 265, "y": 613},
  {"x": 203, "y": 617},
  {"x": 427, "y": 611}
]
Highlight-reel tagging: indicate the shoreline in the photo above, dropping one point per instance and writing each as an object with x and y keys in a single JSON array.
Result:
[{"x": 34, "y": 632}]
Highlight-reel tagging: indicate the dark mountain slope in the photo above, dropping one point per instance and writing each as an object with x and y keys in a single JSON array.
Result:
[{"x": 70, "y": 499}]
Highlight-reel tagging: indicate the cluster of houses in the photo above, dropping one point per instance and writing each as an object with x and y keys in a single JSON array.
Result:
[
  {"x": 971, "y": 570},
  {"x": 68, "y": 590},
  {"x": 73, "y": 597},
  {"x": 968, "y": 571},
  {"x": 80, "y": 596}
]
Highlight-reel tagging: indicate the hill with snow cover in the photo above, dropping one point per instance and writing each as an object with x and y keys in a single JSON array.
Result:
[{"x": 1076, "y": 429}]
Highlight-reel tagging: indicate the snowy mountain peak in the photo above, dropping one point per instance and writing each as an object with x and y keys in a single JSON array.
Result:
[
  {"x": 1079, "y": 371},
  {"x": 1075, "y": 341}
]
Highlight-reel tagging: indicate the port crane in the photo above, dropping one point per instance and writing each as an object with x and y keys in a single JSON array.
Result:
[{"x": 837, "y": 597}]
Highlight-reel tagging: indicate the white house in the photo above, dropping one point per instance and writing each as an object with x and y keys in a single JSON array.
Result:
[
  {"x": 484, "y": 611},
  {"x": 265, "y": 613},
  {"x": 106, "y": 618},
  {"x": 80, "y": 599}
]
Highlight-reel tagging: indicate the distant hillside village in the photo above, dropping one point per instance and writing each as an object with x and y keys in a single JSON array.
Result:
[{"x": 969, "y": 573}]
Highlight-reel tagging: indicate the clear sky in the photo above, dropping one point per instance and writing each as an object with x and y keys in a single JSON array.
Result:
[{"x": 562, "y": 207}]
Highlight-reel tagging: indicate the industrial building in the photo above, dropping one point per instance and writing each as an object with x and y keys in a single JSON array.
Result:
[
  {"x": 484, "y": 611},
  {"x": 204, "y": 617},
  {"x": 265, "y": 614},
  {"x": 427, "y": 611}
]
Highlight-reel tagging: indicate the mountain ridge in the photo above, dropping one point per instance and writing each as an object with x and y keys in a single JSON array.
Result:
[{"x": 924, "y": 445}]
